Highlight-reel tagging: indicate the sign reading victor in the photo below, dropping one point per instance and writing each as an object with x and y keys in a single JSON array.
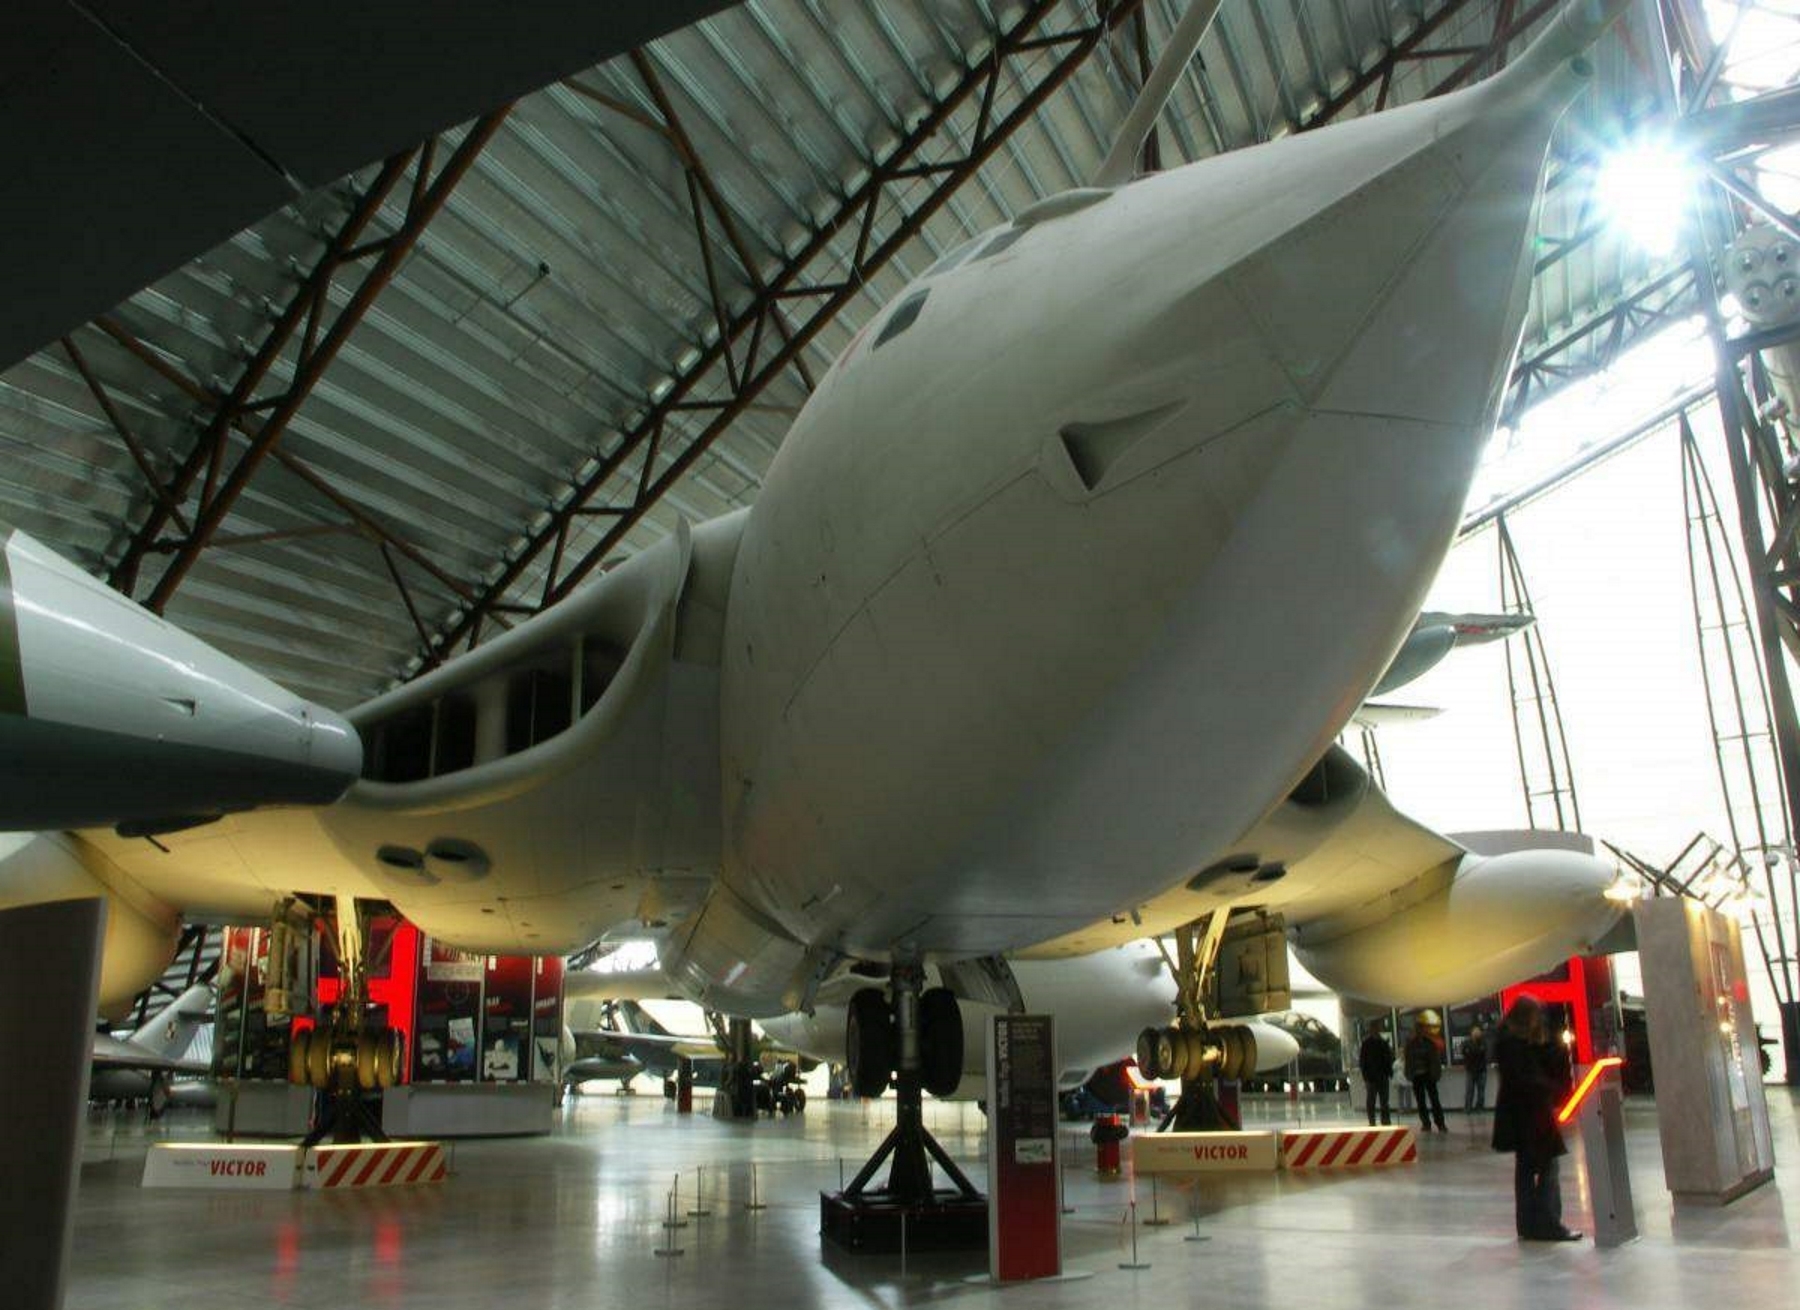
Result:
[{"x": 1024, "y": 1179}]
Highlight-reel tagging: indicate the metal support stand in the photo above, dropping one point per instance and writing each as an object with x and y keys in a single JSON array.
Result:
[
  {"x": 737, "y": 1084},
  {"x": 861, "y": 1218}
]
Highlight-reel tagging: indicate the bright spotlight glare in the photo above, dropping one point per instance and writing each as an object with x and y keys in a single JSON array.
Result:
[{"x": 1643, "y": 189}]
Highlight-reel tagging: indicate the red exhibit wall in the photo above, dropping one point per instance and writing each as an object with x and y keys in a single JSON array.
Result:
[
  {"x": 393, "y": 986},
  {"x": 1584, "y": 988}
]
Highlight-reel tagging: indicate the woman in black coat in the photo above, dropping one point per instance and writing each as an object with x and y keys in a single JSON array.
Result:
[{"x": 1534, "y": 1078}]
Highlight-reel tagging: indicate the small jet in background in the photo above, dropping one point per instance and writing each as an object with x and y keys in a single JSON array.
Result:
[{"x": 138, "y": 1066}]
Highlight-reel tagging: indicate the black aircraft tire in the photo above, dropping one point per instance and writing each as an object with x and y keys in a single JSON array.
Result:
[
  {"x": 940, "y": 1042},
  {"x": 869, "y": 1043},
  {"x": 1147, "y": 1061}
]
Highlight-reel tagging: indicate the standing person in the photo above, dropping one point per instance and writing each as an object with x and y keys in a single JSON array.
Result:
[
  {"x": 1376, "y": 1060},
  {"x": 1533, "y": 1077},
  {"x": 1475, "y": 1065},
  {"x": 1424, "y": 1066}
]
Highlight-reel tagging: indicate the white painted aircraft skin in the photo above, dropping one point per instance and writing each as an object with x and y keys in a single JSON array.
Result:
[
  {"x": 1046, "y": 603},
  {"x": 966, "y": 675}
]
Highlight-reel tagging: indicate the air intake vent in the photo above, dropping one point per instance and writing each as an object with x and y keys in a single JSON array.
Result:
[{"x": 1093, "y": 448}]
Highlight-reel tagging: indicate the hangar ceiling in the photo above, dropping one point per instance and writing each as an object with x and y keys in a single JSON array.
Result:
[{"x": 412, "y": 405}]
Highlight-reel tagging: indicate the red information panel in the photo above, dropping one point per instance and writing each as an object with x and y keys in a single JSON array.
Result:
[{"x": 1024, "y": 1177}]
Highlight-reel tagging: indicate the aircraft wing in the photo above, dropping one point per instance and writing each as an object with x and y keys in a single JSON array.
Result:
[
  {"x": 1379, "y": 714},
  {"x": 662, "y": 1047},
  {"x": 1335, "y": 843},
  {"x": 116, "y": 1053}
]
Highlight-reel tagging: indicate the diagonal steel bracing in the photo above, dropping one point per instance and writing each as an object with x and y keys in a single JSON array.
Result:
[
  {"x": 651, "y": 446},
  {"x": 321, "y": 337}
]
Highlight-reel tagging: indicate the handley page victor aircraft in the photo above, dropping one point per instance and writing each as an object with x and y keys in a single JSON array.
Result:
[{"x": 1035, "y": 640}]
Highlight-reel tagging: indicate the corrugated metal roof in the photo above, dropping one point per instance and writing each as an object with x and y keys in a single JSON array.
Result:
[{"x": 564, "y": 285}]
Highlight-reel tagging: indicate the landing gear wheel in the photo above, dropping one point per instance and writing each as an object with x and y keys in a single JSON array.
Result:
[
  {"x": 318, "y": 1059},
  {"x": 365, "y": 1061},
  {"x": 1169, "y": 1054},
  {"x": 297, "y": 1050},
  {"x": 799, "y": 1099},
  {"x": 869, "y": 1054},
  {"x": 390, "y": 1054},
  {"x": 940, "y": 1042},
  {"x": 1147, "y": 1063},
  {"x": 1193, "y": 1049},
  {"x": 1247, "y": 1052}
]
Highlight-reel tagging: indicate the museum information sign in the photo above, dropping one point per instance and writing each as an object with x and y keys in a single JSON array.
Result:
[{"x": 1024, "y": 1175}]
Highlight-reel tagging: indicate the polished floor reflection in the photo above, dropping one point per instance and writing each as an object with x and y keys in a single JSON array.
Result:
[{"x": 573, "y": 1220}]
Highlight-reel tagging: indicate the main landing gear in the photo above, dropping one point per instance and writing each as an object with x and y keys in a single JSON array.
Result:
[
  {"x": 1198, "y": 1052},
  {"x": 344, "y": 1058},
  {"x": 915, "y": 1036}
]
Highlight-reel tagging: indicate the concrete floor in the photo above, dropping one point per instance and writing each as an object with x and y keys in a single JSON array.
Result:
[{"x": 572, "y": 1220}]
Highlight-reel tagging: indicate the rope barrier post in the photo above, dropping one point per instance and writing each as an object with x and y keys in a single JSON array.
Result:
[
  {"x": 1194, "y": 1209},
  {"x": 670, "y": 1223},
  {"x": 674, "y": 1205},
  {"x": 1155, "y": 1220},
  {"x": 699, "y": 1211},
  {"x": 1134, "y": 1262},
  {"x": 755, "y": 1202}
]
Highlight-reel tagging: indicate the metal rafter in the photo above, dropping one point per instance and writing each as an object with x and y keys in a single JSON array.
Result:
[
  {"x": 355, "y": 518},
  {"x": 1767, "y": 502},
  {"x": 319, "y": 347},
  {"x": 796, "y": 279},
  {"x": 1592, "y": 345}
]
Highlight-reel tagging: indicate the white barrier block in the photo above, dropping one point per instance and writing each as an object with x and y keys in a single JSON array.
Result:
[
  {"x": 1192, "y": 1153},
  {"x": 253, "y": 1167}
]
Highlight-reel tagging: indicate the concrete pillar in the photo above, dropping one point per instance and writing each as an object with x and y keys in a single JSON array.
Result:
[{"x": 49, "y": 994}]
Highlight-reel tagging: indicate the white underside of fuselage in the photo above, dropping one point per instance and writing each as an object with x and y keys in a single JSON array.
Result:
[{"x": 973, "y": 698}]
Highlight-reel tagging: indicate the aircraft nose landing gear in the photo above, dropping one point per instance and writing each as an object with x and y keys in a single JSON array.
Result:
[{"x": 915, "y": 1036}]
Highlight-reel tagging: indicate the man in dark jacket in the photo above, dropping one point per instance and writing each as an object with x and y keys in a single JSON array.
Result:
[
  {"x": 1534, "y": 1077},
  {"x": 1475, "y": 1065},
  {"x": 1376, "y": 1061},
  {"x": 1424, "y": 1066}
]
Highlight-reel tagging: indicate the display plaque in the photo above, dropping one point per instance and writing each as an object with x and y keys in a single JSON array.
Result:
[{"x": 1024, "y": 1174}]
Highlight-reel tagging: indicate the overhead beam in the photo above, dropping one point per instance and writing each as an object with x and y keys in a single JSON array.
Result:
[
  {"x": 652, "y": 436},
  {"x": 319, "y": 348}
]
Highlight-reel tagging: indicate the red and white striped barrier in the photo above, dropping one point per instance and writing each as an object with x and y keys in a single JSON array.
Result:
[
  {"x": 375, "y": 1164},
  {"x": 1347, "y": 1148}
]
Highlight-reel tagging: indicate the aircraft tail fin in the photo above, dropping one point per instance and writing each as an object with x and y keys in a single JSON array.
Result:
[
  {"x": 171, "y": 1030},
  {"x": 638, "y": 1020}
]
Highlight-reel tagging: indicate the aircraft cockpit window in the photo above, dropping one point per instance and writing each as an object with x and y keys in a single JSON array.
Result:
[
  {"x": 999, "y": 244},
  {"x": 903, "y": 317},
  {"x": 955, "y": 257}
]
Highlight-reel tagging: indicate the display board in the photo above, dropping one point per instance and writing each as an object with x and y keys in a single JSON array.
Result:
[
  {"x": 1024, "y": 1175},
  {"x": 1710, "y": 1110}
]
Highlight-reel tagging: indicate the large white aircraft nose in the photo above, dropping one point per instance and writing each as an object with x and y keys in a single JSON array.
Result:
[{"x": 1404, "y": 297}]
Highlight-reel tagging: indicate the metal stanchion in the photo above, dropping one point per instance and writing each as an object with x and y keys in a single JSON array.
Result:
[
  {"x": 755, "y": 1202},
  {"x": 1155, "y": 1220},
  {"x": 1134, "y": 1262},
  {"x": 1194, "y": 1207},
  {"x": 699, "y": 1211},
  {"x": 671, "y": 1222},
  {"x": 674, "y": 1205}
]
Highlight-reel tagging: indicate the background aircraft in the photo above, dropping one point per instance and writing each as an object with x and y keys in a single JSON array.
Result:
[{"x": 139, "y": 1066}]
